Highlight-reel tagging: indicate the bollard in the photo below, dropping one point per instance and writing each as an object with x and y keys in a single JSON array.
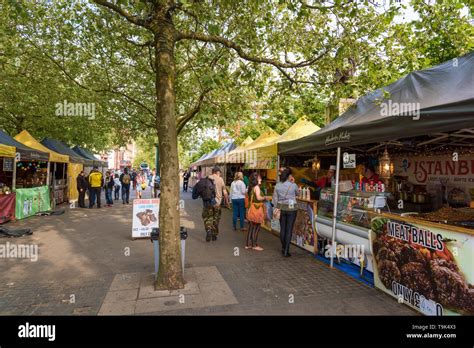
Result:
[
  {"x": 184, "y": 235},
  {"x": 155, "y": 239}
]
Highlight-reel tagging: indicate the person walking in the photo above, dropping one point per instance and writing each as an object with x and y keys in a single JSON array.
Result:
[
  {"x": 285, "y": 208},
  {"x": 96, "y": 182},
  {"x": 125, "y": 180},
  {"x": 256, "y": 211},
  {"x": 141, "y": 184},
  {"x": 109, "y": 188},
  {"x": 186, "y": 176},
  {"x": 117, "y": 186},
  {"x": 155, "y": 183},
  {"x": 212, "y": 191},
  {"x": 237, "y": 196},
  {"x": 82, "y": 186},
  {"x": 134, "y": 179}
]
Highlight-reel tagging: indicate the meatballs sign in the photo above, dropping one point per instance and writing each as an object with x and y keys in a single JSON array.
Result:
[
  {"x": 145, "y": 217},
  {"x": 426, "y": 267}
]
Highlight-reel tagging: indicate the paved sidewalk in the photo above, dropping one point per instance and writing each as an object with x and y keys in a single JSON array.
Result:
[{"x": 85, "y": 253}]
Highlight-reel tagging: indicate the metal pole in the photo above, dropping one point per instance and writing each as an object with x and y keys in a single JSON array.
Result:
[
  {"x": 183, "y": 251},
  {"x": 278, "y": 168},
  {"x": 334, "y": 214},
  {"x": 156, "y": 247},
  {"x": 157, "y": 160},
  {"x": 48, "y": 174},
  {"x": 14, "y": 175}
]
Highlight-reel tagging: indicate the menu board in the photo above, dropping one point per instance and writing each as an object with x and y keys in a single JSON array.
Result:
[
  {"x": 304, "y": 230},
  {"x": 425, "y": 267},
  {"x": 145, "y": 217},
  {"x": 8, "y": 164}
]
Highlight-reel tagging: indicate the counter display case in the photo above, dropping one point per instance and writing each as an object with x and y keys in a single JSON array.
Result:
[{"x": 353, "y": 219}]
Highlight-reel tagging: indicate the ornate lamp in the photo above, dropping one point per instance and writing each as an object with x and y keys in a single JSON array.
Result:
[
  {"x": 385, "y": 167},
  {"x": 316, "y": 165}
]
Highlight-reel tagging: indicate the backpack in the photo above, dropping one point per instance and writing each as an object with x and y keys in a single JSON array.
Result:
[
  {"x": 205, "y": 189},
  {"x": 126, "y": 179}
]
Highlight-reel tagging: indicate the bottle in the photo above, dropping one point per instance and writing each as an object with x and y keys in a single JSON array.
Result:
[
  {"x": 308, "y": 194},
  {"x": 303, "y": 193},
  {"x": 382, "y": 189},
  {"x": 357, "y": 186},
  {"x": 376, "y": 188}
]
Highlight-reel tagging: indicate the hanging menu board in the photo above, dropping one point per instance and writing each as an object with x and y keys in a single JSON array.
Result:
[{"x": 8, "y": 164}]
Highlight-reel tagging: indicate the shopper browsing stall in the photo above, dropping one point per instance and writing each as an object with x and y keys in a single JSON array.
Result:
[{"x": 284, "y": 201}]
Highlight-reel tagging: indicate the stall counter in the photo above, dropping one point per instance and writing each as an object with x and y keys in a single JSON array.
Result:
[
  {"x": 7, "y": 207},
  {"x": 304, "y": 231},
  {"x": 30, "y": 201}
]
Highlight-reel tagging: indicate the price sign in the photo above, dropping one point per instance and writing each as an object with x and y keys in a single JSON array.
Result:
[
  {"x": 8, "y": 164},
  {"x": 349, "y": 160}
]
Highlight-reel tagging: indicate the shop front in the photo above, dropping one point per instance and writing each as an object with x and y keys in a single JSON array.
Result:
[
  {"x": 52, "y": 174},
  {"x": 407, "y": 213},
  {"x": 7, "y": 196}
]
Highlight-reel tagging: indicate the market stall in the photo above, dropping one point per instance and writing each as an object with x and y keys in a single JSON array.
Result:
[
  {"x": 252, "y": 164},
  {"x": 7, "y": 196},
  {"x": 52, "y": 173},
  {"x": 75, "y": 166},
  {"x": 264, "y": 157},
  {"x": 27, "y": 167},
  {"x": 413, "y": 225},
  {"x": 84, "y": 153},
  {"x": 217, "y": 158},
  {"x": 235, "y": 160}
]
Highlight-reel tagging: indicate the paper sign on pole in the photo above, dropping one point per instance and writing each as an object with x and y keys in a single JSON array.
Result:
[{"x": 349, "y": 160}]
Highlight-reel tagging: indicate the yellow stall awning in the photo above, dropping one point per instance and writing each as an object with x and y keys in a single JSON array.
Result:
[
  {"x": 7, "y": 151},
  {"x": 265, "y": 155},
  {"x": 27, "y": 139}
]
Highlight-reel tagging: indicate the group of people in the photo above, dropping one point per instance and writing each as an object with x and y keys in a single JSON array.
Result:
[
  {"x": 213, "y": 192},
  {"x": 113, "y": 184},
  {"x": 249, "y": 203}
]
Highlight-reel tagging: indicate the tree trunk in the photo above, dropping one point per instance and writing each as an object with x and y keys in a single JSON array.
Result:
[{"x": 170, "y": 274}]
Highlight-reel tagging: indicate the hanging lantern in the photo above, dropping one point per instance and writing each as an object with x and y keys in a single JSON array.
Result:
[
  {"x": 385, "y": 166},
  {"x": 316, "y": 165}
]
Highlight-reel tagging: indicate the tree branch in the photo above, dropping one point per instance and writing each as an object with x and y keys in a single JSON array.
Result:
[
  {"x": 182, "y": 120},
  {"x": 137, "y": 20},
  {"x": 242, "y": 54}
]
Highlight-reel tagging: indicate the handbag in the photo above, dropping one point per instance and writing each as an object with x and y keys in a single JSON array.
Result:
[
  {"x": 246, "y": 201},
  {"x": 256, "y": 211},
  {"x": 277, "y": 211}
]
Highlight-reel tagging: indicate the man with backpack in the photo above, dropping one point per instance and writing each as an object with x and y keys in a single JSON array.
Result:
[
  {"x": 212, "y": 190},
  {"x": 125, "y": 180},
  {"x": 186, "y": 176}
]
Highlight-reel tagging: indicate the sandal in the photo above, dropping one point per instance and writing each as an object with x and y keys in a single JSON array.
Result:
[{"x": 257, "y": 248}]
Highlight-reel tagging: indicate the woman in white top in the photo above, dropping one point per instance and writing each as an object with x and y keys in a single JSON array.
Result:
[{"x": 237, "y": 195}]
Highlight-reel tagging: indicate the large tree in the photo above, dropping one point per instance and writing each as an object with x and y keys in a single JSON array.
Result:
[{"x": 284, "y": 35}]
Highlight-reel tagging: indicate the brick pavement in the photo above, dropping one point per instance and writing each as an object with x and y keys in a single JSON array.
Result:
[{"x": 82, "y": 251}]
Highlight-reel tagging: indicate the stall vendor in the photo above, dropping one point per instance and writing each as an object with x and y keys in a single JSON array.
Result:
[
  {"x": 370, "y": 175},
  {"x": 324, "y": 181}
]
